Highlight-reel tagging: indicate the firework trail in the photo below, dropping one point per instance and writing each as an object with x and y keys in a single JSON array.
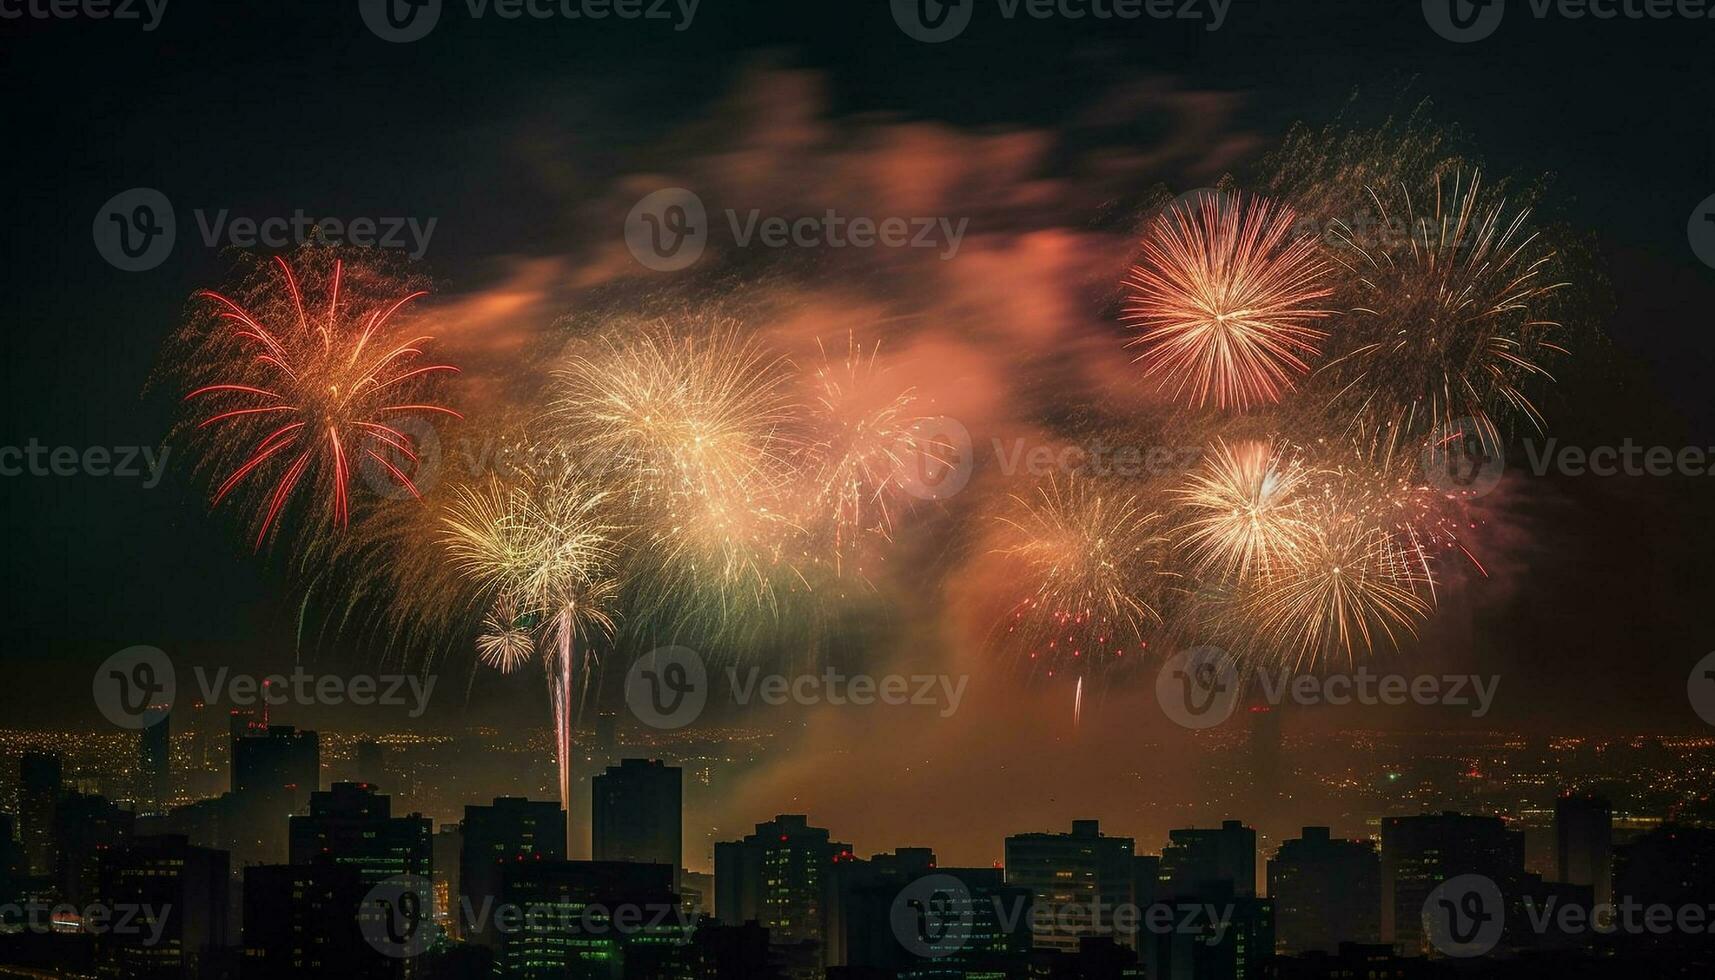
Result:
[
  {"x": 544, "y": 550},
  {"x": 1223, "y": 297},
  {"x": 306, "y": 378}
]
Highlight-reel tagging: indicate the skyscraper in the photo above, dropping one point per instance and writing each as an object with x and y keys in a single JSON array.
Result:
[
  {"x": 352, "y": 824},
  {"x": 1067, "y": 876},
  {"x": 303, "y": 920},
  {"x": 1421, "y": 852},
  {"x": 637, "y": 814},
  {"x": 274, "y": 771},
  {"x": 781, "y": 877},
  {"x": 1326, "y": 892},
  {"x": 572, "y": 934},
  {"x": 1584, "y": 843},
  {"x": 1195, "y": 858},
  {"x": 86, "y": 827},
  {"x": 38, "y": 797},
  {"x": 182, "y": 891},
  {"x": 508, "y": 832},
  {"x": 154, "y": 758}
]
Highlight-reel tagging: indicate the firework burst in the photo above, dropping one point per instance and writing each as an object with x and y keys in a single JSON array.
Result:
[
  {"x": 1224, "y": 298},
  {"x": 1244, "y": 509},
  {"x": 305, "y": 379},
  {"x": 1447, "y": 319}
]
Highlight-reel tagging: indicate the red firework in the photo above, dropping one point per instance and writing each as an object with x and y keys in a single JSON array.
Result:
[{"x": 306, "y": 386}]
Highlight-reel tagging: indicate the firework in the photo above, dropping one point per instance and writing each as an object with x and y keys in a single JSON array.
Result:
[
  {"x": 1223, "y": 297},
  {"x": 1089, "y": 560},
  {"x": 686, "y": 427},
  {"x": 1245, "y": 509},
  {"x": 865, "y": 435},
  {"x": 305, "y": 379},
  {"x": 544, "y": 549},
  {"x": 1447, "y": 318}
]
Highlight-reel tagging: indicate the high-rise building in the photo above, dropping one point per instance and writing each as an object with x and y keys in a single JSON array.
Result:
[
  {"x": 447, "y": 846},
  {"x": 38, "y": 796},
  {"x": 636, "y": 813},
  {"x": 1584, "y": 843},
  {"x": 1195, "y": 947},
  {"x": 577, "y": 929},
  {"x": 781, "y": 877},
  {"x": 1196, "y": 858},
  {"x": 508, "y": 832},
  {"x": 1070, "y": 877},
  {"x": 1325, "y": 892},
  {"x": 1421, "y": 852},
  {"x": 969, "y": 920},
  {"x": 86, "y": 827},
  {"x": 181, "y": 894},
  {"x": 303, "y": 920},
  {"x": 275, "y": 768},
  {"x": 352, "y": 824},
  {"x": 154, "y": 759}
]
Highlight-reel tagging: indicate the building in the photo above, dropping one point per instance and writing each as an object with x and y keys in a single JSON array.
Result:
[
  {"x": 1072, "y": 878},
  {"x": 637, "y": 814},
  {"x": 976, "y": 924},
  {"x": 175, "y": 896},
  {"x": 573, "y": 924},
  {"x": 780, "y": 877},
  {"x": 1192, "y": 945},
  {"x": 510, "y": 831},
  {"x": 1584, "y": 843},
  {"x": 448, "y": 845},
  {"x": 1326, "y": 893},
  {"x": 351, "y": 824},
  {"x": 303, "y": 920},
  {"x": 86, "y": 827},
  {"x": 1196, "y": 858},
  {"x": 38, "y": 796},
  {"x": 154, "y": 765},
  {"x": 1421, "y": 852},
  {"x": 275, "y": 768}
]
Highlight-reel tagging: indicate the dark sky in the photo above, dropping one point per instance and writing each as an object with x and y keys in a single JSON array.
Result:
[{"x": 263, "y": 108}]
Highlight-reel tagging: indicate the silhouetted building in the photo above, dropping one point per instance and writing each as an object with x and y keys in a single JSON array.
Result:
[
  {"x": 636, "y": 809},
  {"x": 176, "y": 898},
  {"x": 780, "y": 877},
  {"x": 1196, "y": 858},
  {"x": 966, "y": 919},
  {"x": 352, "y": 824},
  {"x": 86, "y": 827},
  {"x": 1215, "y": 934},
  {"x": 302, "y": 920},
  {"x": 371, "y": 763},
  {"x": 584, "y": 918},
  {"x": 38, "y": 795},
  {"x": 510, "y": 831},
  {"x": 1326, "y": 893},
  {"x": 1421, "y": 852},
  {"x": 154, "y": 758},
  {"x": 1672, "y": 866},
  {"x": 447, "y": 846},
  {"x": 1071, "y": 876},
  {"x": 275, "y": 768},
  {"x": 1584, "y": 843}
]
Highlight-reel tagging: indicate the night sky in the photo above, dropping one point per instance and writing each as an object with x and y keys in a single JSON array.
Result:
[{"x": 519, "y": 136}]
